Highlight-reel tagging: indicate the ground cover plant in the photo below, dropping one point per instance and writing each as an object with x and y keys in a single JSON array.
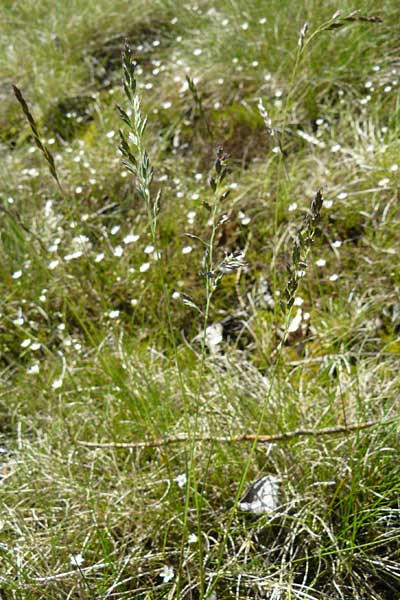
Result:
[{"x": 200, "y": 290}]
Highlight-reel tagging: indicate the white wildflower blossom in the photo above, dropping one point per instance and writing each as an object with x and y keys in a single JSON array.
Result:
[
  {"x": 76, "y": 560},
  {"x": 167, "y": 573},
  {"x": 181, "y": 480},
  {"x": 73, "y": 256},
  {"x": 295, "y": 322},
  {"x": 130, "y": 239},
  {"x": 144, "y": 267}
]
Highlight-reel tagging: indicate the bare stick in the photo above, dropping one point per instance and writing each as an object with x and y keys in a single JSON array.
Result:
[{"x": 259, "y": 439}]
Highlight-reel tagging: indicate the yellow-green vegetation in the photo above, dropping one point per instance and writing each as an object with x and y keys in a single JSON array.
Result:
[{"x": 175, "y": 287}]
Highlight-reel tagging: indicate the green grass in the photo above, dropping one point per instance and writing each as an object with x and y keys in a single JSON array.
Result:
[{"x": 98, "y": 345}]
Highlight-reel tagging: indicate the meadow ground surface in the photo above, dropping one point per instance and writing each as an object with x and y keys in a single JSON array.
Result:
[{"x": 103, "y": 312}]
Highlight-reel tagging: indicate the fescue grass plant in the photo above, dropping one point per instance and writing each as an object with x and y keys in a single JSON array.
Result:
[{"x": 189, "y": 313}]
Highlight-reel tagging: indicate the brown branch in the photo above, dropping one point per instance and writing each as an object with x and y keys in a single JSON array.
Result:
[{"x": 259, "y": 439}]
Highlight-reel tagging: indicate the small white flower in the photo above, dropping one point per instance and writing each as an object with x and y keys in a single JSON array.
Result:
[
  {"x": 34, "y": 369},
  {"x": 144, "y": 267},
  {"x": 17, "y": 274},
  {"x": 26, "y": 343},
  {"x": 78, "y": 190},
  {"x": 57, "y": 384},
  {"x": 166, "y": 105},
  {"x": 334, "y": 277},
  {"x": 19, "y": 321},
  {"x": 192, "y": 539},
  {"x": 181, "y": 480},
  {"x": 245, "y": 26},
  {"x": 187, "y": 249},
  {"x": 36, "y": 346},
  {"x": 53, "y": 264},
  {"x": 113, "y": 314},
  {"x": 134, "y": 302},
  {"x": 99, "y": 257},
  {"x": 321, "y": 262},
  {"x": 76, "y": 560},
  {"x": 73, "y": 256},
  {"x": 244, "y": 219},
  {"x": 118, "y": 251},
  {"x": 327, "y": 203},
  {"x": 295, "y": 322},
  {"x": 115, "y": 229},
  {"x": 292, "y": 207},
  {"x": 197, "y": 51},
  {"x": 149, "y": 249},
  {"x": 167, "y": 573},
  {"x": 336, "y": 244},
  {"x": 342, "y": 195},
  {"x": 336, "y": 148},
  {"x": 110, "y": 134},
  {"x": 383, "y": 182},
  {"x": 298, "y": 301},
  {"x": 175, "y": 295},
  {"x": 130, "y": 239},
  {"x": 394, "y": 168}
]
